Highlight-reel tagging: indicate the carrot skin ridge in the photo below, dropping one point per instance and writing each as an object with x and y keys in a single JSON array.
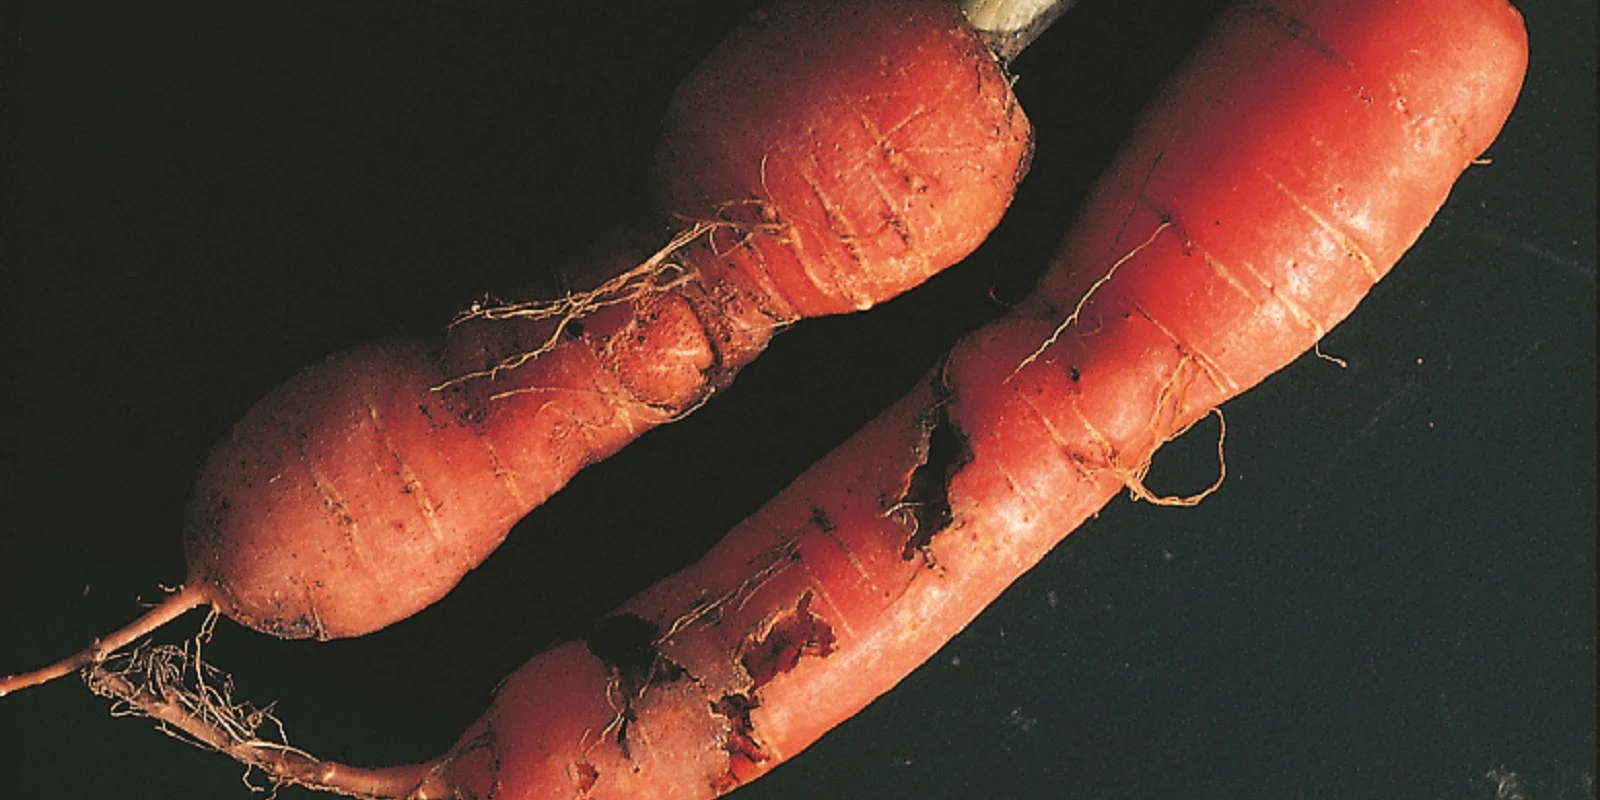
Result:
[
  {"x": 843, "y": 154},
  {"x": 1281, "y": 175}
]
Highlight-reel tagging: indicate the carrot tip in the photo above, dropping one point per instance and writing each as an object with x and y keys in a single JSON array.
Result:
[
  {"x": 194, "y": 701},
  {"x": 177, "y": 604}
]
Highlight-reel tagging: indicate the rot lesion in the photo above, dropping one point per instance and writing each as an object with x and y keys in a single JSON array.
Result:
[
  {"x": 777, "y": 648},
  {"x": 786, "y": 638},
  {"x": 629, "y": 646},
  {"x": 923, "y": 507},
  {"x": 746, "y": 755}
]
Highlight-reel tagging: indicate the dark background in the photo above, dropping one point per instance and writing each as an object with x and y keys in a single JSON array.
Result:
[{"x": 1393, "y": 595}]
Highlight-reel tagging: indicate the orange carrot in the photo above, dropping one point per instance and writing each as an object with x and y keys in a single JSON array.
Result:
[
  {"x": 360, "y": 493},
  {"x": 1273, "y": 184},
  {"x": 827, "y": 158},
  {"x": 1076, "y": 696}
]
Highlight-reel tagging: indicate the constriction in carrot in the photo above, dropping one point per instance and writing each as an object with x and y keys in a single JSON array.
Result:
[
  {"x": 1277, "y": 179},
  {"x": 826, "y": 158}
]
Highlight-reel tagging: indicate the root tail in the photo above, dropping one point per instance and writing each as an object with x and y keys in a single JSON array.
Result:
[
  {"x": 176, "y": 605},
  {"x": 193, "y": 701}
]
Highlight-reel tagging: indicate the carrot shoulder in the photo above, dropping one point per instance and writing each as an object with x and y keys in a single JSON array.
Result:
[{"x": 1282, "y": 174}]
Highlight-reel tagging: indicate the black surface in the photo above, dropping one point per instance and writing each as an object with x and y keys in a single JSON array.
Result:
[{"x": 1392, "y": 596}]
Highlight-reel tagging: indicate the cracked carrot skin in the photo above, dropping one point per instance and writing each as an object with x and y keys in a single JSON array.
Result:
[
  {"x": 845, "y": 152},
  {"x": 1282, "y": 174}
]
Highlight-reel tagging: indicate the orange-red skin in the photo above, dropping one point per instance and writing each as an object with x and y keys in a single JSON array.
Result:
[
  {"x": 848, "y": 151},
  {"x": 1285, "y": 171}
]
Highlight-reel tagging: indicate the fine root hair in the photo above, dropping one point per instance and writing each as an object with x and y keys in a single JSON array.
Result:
[
  {"x": 194, "y": 702},
  {"x": 663, "y": 271}
]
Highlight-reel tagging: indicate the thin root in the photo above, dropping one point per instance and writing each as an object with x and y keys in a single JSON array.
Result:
[
  {"x": 1134, "y": 479},
  {"x": 661, "y": 272},
  {"x": 1317, "y": 348},
  {"x": 1072, "y": 318},
  {"x": 658, "y": 273},
  {"x": 178, "y": 603},
  {"x": 192, "y": 701},
  {"x": 781, "y": 558}
]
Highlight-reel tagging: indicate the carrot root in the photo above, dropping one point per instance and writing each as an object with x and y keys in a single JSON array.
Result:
[
  {"x": 177, "y": 604},
  {"x": 658, "y": 273},
  {"x": 1077, "y": 311},
  {"x": 192, "y": 701}
]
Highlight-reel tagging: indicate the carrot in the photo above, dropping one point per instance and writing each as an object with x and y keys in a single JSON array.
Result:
[
  {"x": 1274, "y": 183},
  {"x": 1100, "y": 673},
  {"x": 1345, "y": 127},
  {"x": 822, "y": 185},
  {"x": 827, "y": 158}
]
